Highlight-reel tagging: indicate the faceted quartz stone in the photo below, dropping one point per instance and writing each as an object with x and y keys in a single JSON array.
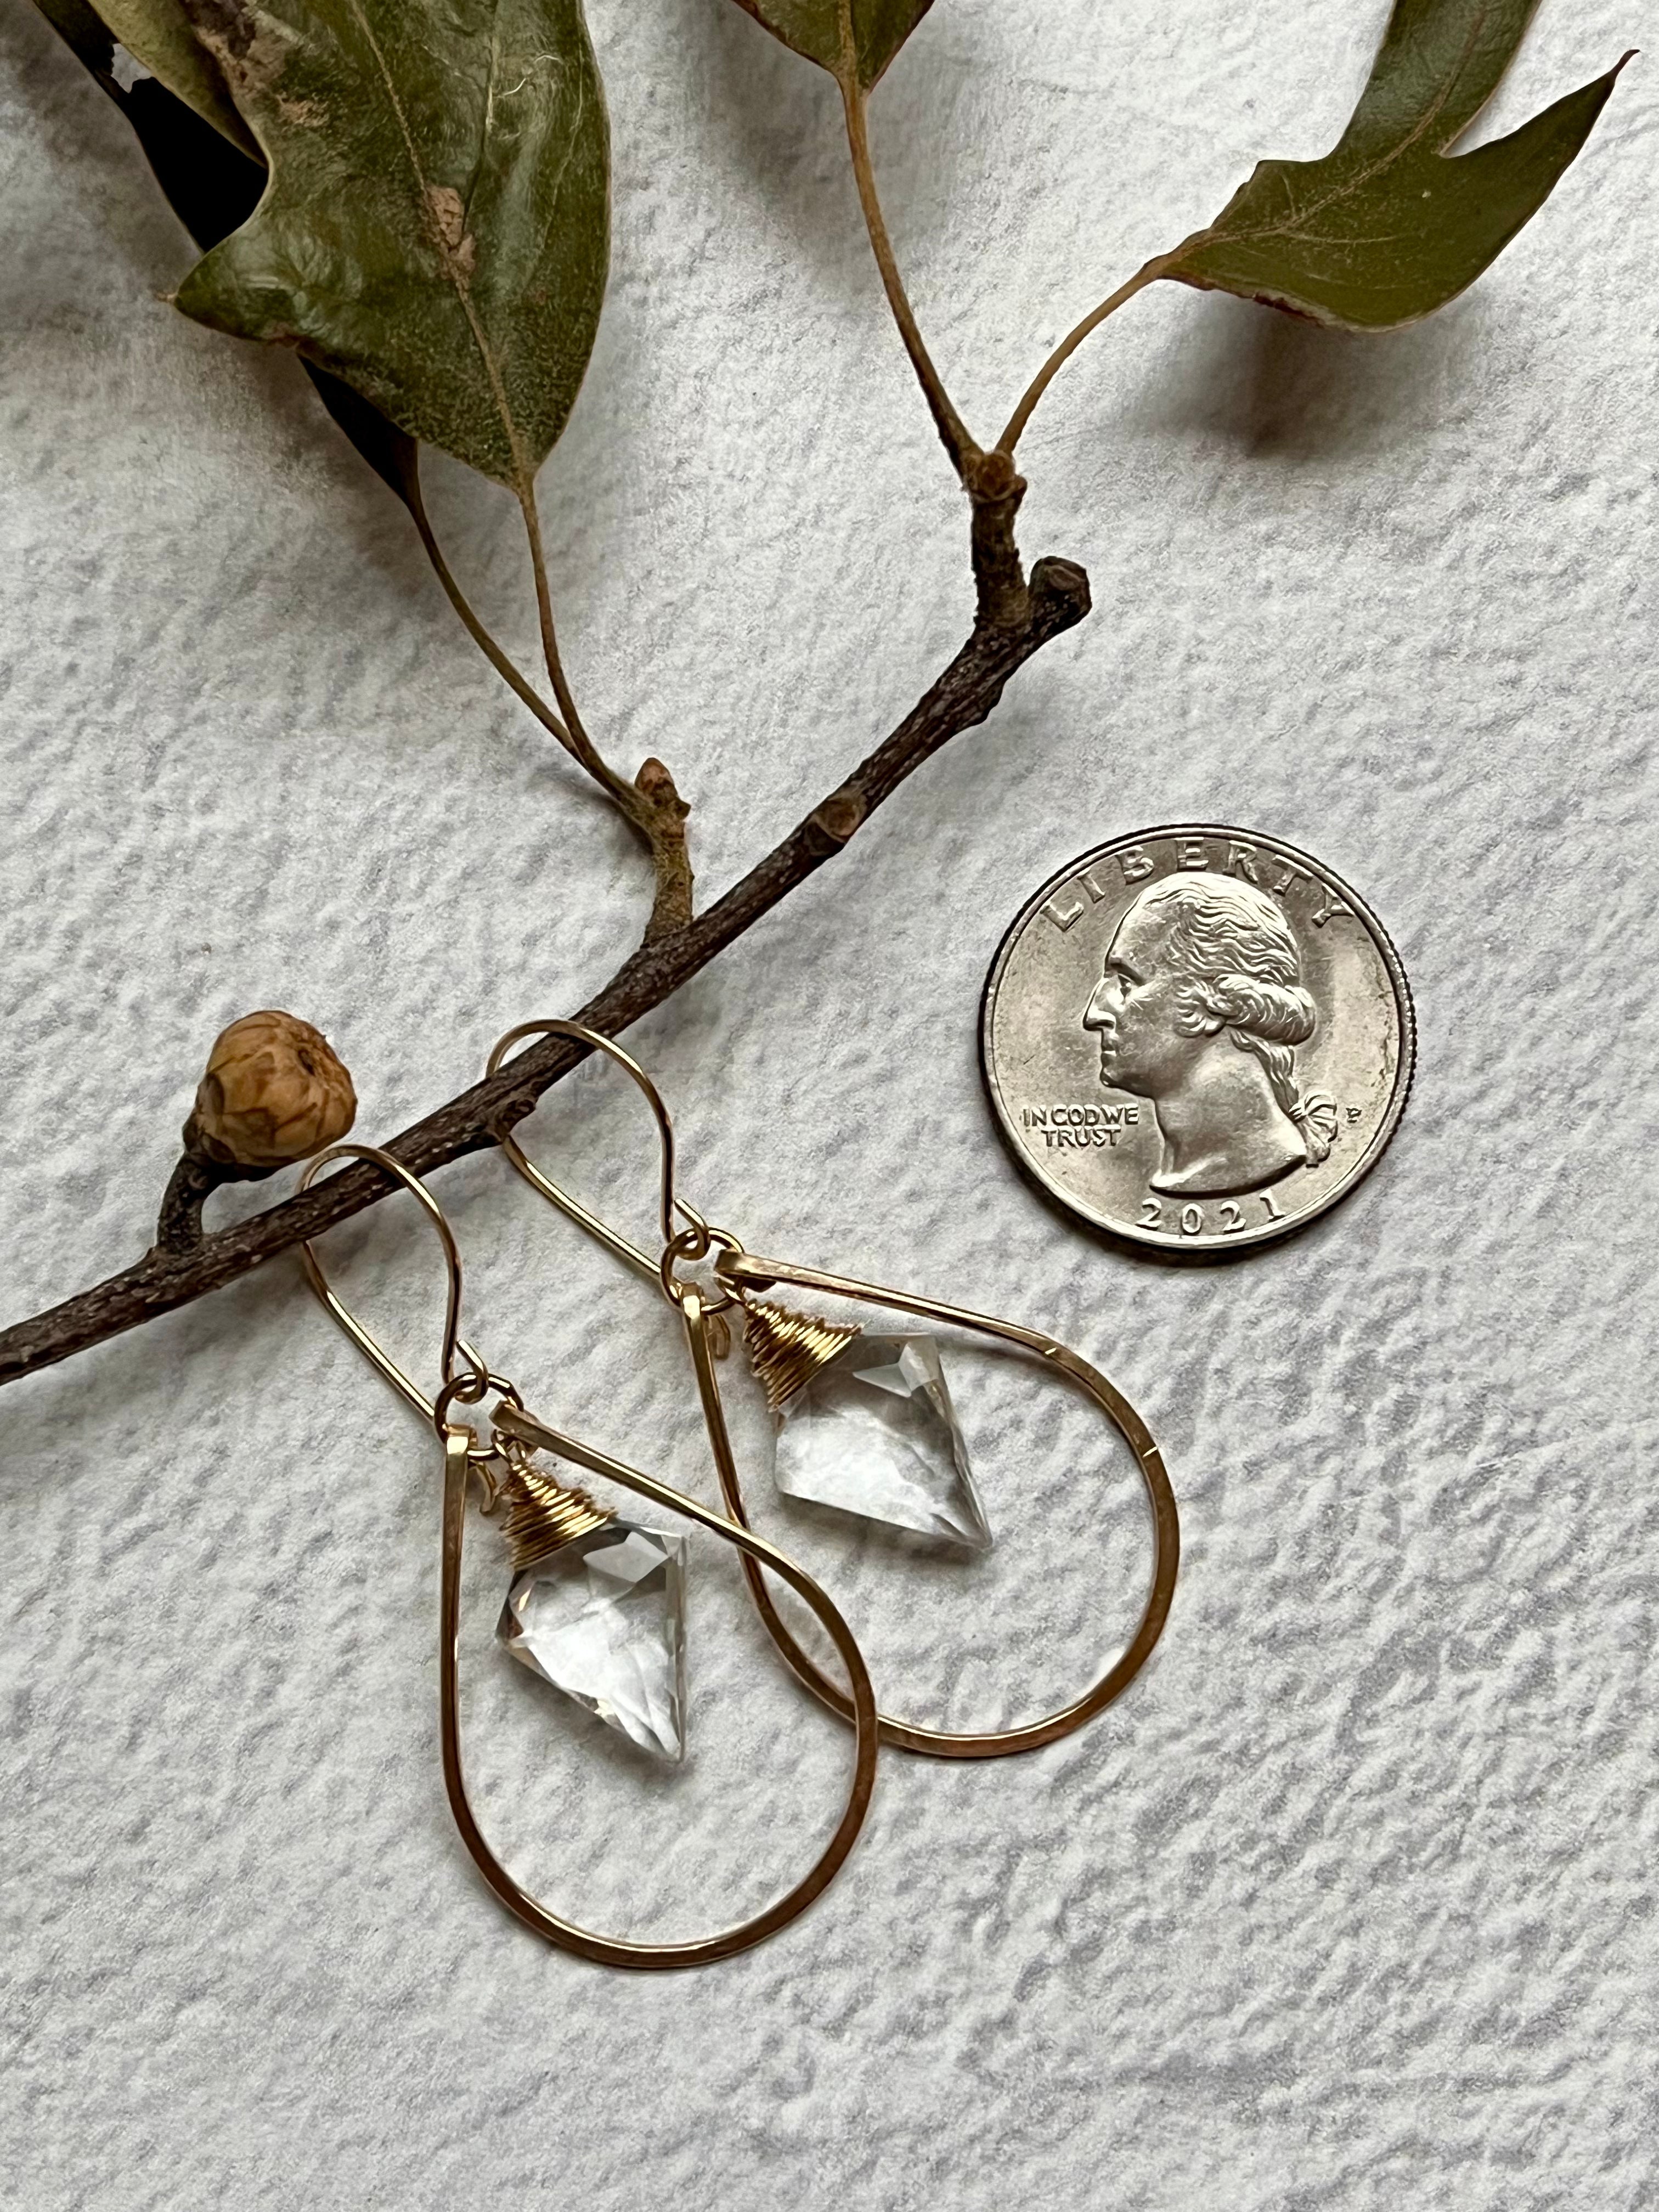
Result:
[
  {"x": 602, "y": 1619},
  {"x": 873, "y": 1433}
]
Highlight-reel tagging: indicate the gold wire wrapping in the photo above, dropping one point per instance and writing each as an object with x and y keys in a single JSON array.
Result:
[
  {"x": 543, "y": 1515},
  {"x": 787, "y": 1349}
]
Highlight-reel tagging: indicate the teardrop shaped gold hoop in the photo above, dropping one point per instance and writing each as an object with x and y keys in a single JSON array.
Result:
[
  {"x": 742, "y": 1272},
  {"x": 464, "y": 1455},
  {"x": 739, "y": 1277}
]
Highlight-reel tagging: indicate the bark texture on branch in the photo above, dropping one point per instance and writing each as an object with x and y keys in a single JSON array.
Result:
[{"x": 1015, "y": 620}]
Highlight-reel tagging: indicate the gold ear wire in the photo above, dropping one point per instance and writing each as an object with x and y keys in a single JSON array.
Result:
[
  {"x": 572, "y": 1208},
  {"x": 469, "y": 1384},
  {"x": 693, "y": 1242}
]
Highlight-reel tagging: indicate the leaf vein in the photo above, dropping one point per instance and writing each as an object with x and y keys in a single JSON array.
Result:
[
  {"x": 522, "y": 473},
  {"x": 1385, "y": 160}
]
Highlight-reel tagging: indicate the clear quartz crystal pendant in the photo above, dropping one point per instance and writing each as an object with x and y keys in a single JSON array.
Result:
[
  {"x": 864, "y": 1424},
  {"x": 596, "y": 1608}
]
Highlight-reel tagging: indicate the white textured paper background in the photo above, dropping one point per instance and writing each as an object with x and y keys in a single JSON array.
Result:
[{"x": 1351, "y": 1902}]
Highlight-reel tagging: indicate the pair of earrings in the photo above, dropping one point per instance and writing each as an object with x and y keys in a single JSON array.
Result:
[{"x": 864, "y": 1423}]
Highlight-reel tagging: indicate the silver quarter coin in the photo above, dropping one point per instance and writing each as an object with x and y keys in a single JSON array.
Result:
[{"x": 1197, "y": 1038}]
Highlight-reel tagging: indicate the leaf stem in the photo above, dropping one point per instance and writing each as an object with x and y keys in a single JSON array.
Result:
[
  {"x": 577, "y": 742},
  {"x": 1069, "y": 345},
  {"x": 651, "y": 806},
  {"x": 474, "y": 629},
  {"x": 951, "y": 429}
]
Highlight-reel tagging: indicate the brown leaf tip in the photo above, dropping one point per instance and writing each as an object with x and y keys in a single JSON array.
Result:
[
  {"x": 253, "y": 54},
  {"x": 274, "y": 1092}
]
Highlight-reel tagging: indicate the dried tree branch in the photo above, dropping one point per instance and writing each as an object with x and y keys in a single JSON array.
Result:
[{"x": 1014, "y": 620}]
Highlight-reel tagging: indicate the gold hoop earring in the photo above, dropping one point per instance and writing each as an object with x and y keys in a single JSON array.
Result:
[
  {"x": 547, "y": 1523},
  {"x": 803, "y": 1363}
]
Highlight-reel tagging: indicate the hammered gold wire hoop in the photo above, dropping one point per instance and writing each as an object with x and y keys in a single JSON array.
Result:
[
  {"x": 738, "y": 1276},
  {"x": 464, "y": 1456},
  {"x": 741, "y": 1270}
]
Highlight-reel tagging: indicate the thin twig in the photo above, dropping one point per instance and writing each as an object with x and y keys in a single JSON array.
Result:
[
  {"x": 192, "y": 1182},
  {"x": 1013, "y": 622},
  {"x": 1069, "y": 344},
  {"x": 673, "y": 906}
]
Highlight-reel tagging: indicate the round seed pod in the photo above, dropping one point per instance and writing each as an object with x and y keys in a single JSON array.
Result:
[{"x": 273, "y": 1092}]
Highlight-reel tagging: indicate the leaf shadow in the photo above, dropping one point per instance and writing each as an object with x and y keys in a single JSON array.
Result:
[{"x": 1275, "y": 388}]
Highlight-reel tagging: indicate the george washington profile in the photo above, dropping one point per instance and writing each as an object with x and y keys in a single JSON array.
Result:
[{"x": 1200, "y": 1010}]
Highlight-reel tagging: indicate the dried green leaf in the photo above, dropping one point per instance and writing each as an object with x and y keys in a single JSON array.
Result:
[
  {"x": 158, "y": 34},
  {"x": 1387, "y": 228},
  {"x": 853, "y": 40},
  {"x": 436, "y": 228},
  {"x": 213, "y": 189}
]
